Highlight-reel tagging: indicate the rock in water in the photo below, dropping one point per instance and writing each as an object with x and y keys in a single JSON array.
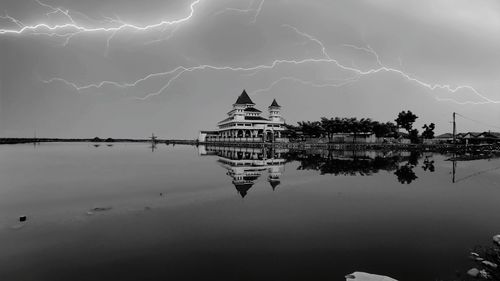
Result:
[
  {"x": 363, "y": 276},
  {"x": 23, "y": 218},
  {"x": 496, "y": 238},
  {"x": 474, "y": 272},
  {"x": 484, "y": 274},
  {"x": 490, "y": 264}
]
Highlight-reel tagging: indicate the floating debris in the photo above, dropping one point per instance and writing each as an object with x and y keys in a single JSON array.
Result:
[
  {"x": 484, "y": 274},
  {"x": 101, "y": 209},
  {"x": 474, "y": 272},
  {"x": 496, "y": 239},
  {"x": 23, "y": 218},
  {"x": 363, "y": 276},
  {"x": 17, "y": 226},
  {"x": 490, "y": 264}
]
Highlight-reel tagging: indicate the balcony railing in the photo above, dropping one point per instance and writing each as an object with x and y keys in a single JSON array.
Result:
[{"x": 258, "y": 139}]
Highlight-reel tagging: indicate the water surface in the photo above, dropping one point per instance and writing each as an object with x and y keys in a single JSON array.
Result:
[{"x": 127, "y": 212}]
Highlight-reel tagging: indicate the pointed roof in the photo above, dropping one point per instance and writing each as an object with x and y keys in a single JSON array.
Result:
[
  {"x": 274, "y": 183},
  {"x": 243, "y": 188},
  {"x": 274, "y": 104},
  {"x": 244, "y": 99}
]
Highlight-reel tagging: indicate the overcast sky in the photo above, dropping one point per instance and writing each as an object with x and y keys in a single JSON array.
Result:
[{"x": 366, "y": 58}]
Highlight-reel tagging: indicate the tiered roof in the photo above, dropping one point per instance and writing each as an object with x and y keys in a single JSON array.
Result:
[{"x": 244, "y": 99}]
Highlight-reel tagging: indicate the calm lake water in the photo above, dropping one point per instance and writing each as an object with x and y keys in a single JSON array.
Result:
[{"x": 125, "y": 212}]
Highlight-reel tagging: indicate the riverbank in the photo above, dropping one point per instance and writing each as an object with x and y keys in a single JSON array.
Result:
[
  {"x": 365, "y": 146},
  {"x": 445, "y": 147},
  {"x": 46, "y": 140}
]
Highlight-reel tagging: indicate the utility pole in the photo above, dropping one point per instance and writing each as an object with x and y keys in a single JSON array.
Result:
[{"x": 454, "y": 129}]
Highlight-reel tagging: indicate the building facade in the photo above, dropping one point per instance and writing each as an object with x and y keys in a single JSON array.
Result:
[{"x": 245, "y": 124}]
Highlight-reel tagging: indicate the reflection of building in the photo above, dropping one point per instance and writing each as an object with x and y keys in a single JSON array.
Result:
[
  {"x": 245, "y": 124},
  {"x": 246, "y": 165}
]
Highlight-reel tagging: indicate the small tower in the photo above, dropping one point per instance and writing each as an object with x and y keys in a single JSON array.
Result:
[{"x": 274, "y": 111}]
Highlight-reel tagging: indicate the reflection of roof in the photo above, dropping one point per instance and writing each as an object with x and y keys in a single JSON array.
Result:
[
  {"x": 255, "y": 118},
  {"x": 252, "y": 109},
  {"x": 275, "y": 104},
  {"x": 243, "y": 188},
  {"x": 274, "y": 183},
  {"x": 244, "y": 99}
]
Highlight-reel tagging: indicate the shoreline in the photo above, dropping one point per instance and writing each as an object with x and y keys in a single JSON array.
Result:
[{"x": 445, "y": 147}]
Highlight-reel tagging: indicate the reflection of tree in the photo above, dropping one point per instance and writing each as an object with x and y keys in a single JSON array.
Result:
[
  {"x": 405, "y": 174},
  {"x": 428, "y": 165},
  {"x": 357, "y": 165},
  {"x": 413, "y": 159},
  {"x": 353, "y": 163}
]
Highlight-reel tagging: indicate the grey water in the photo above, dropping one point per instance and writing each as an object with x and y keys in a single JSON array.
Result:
[{"x": 136, "y": 212}]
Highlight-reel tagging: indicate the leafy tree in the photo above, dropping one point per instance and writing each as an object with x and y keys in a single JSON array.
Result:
[
  {"x": 331, "y": 126},
  {"x": 381, "y": 130},
  {"x": 291, "y": 131},
  {"x": 352, "y": 125},
  {"x": 428, "y": 132},
  {"x": 405, "y": 120},
  {"x": 413, "y": 135},
  {"x": 311, "y": 129}
]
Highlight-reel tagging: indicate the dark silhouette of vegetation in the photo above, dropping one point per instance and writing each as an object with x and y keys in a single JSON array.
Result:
[
  {"x": 387, "y": 129},
  {"x": 413, "y": 136},
  {"x": 428, "y": 132},
  {"x": 327, "y": 162},
  {"x": 405, "y": 120},
  {"x": 405, "y": 174},
  {"x": 330, "y": 127},
  {"x": 428, "y": 165}
]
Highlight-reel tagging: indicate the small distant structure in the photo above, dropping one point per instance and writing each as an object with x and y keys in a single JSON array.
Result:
[
  {"x": 245, "y": 124},
  {"x": 444, "y": 138},
  {"x": 154, "y": 139},
  {"x": 470, "y": 138}
]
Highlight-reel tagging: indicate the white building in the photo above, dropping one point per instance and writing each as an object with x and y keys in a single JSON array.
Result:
[{"x": 245, "y": 124}]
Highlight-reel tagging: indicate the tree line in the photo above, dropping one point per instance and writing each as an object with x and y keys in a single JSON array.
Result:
[{"x": 329, "y": 127}]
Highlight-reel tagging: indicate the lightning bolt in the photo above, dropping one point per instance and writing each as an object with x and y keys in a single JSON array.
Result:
[
  {"x": 250, "y": 9},
  {"x": 303, "y": 82},
  {"x": 13, "y": 20},
  {"x": 326, "y": 58},
  {"x": 73, "y": 28}
]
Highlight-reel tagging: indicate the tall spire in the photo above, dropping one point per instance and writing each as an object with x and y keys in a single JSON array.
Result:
[{"x": 244, "y": 99}]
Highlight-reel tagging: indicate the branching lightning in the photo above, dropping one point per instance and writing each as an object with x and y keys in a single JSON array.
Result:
[
  {"x": 304, "y": 82},
  {"x": 250, "y": 9},
  {"x": 326, "y": 58},
  {"x": 112, "y": 26},
  {"x": 72, "y": 27}
]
